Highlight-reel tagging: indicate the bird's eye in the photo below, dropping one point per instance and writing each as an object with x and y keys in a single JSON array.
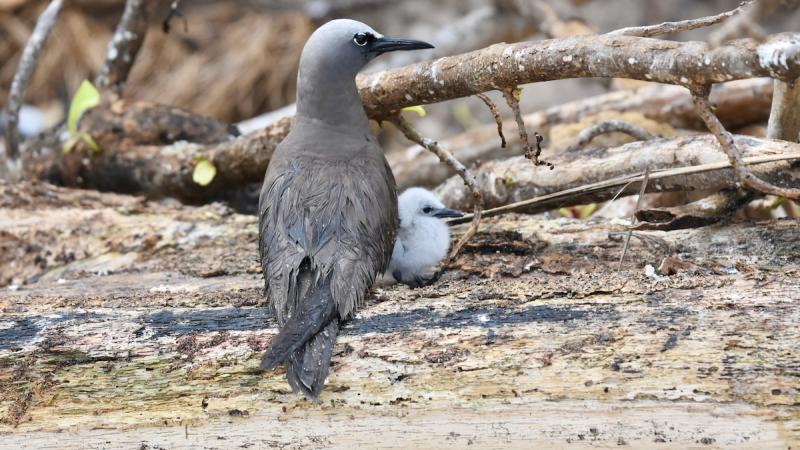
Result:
[
  {"x": 427, "y": 210},
  {"x": 361, "y": 39}
]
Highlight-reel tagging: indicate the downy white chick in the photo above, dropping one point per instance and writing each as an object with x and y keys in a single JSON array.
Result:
[{"x": 423, "y": 237}]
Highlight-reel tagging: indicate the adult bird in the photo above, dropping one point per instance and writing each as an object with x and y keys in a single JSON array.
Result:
[
  {"x": 328, "y": 206},
  {"x": 423, "y": 238}
]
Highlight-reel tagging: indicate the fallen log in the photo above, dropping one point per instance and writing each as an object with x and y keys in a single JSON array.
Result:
[
  {"x": 511, "y": 180},
  {"x": 140, "y": 324}
]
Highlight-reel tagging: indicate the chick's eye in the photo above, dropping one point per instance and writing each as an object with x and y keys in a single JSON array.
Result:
[
  {"x": 361, "y": 39},
  {"x": 427, "y": 210}
]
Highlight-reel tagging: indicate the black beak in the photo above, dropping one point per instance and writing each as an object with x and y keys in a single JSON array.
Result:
[
  {"x": 387, "y": 44},
  {"x": 443, "y": 213}
]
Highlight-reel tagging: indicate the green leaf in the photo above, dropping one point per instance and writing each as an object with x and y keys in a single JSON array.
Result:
[
  {"x": 204, "y": 172},
  {"x": 86, "y": 97},
  {"x": 71, "y": 143},
  {"x": 74, "y": 139},
  {"x": 417, "y": 109}
]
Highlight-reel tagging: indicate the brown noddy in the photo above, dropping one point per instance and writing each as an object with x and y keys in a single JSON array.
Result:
[
  {"x": 423, "y": 237},
  {"x": 328, "y": 206}
]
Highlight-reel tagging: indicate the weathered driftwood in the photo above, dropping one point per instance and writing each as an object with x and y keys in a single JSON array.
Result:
[
  {"x": 140, "y": 324},
  {"x": 512, "y": 180},
  {"x": 152, "y": 149},
  {"x": 508, "y": 65}
]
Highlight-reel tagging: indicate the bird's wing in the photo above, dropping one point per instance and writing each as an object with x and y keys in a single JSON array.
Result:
[{"x": 339, "y": 213}]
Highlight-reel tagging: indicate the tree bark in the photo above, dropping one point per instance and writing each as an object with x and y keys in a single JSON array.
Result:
[
  {"x": 139, "y": 323},
  {"x": 516, "y": 179}
]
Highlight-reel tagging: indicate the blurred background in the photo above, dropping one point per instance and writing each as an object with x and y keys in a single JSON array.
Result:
[{"x": 236, "y": 60}]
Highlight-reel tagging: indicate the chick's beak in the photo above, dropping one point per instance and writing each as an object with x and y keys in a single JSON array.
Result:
[{"x": 444, "y": 213}]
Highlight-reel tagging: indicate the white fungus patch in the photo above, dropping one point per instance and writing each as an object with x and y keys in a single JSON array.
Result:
[
  {"x": 777, "y": 53},
  {"x": 631, "y": 60},
  {"x": 567, "y": 58}
]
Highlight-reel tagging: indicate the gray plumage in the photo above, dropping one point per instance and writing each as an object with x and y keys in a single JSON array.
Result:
[
  {"x": 328, "y": 207},
  {"x": 423, "y": 238}
]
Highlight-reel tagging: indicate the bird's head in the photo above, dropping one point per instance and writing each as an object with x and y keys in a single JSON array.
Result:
[
  {"x": 344, "y": 46},
  {"x": 416, "y": 204}
]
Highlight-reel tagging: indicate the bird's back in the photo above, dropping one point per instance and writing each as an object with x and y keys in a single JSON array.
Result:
[{"x": 327, "y": 223}]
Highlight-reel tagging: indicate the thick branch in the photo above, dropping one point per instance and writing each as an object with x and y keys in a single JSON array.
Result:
[
  {"x": 124, "y": 45},
  {"x": 784, "y": 119},
  {"x": 152, "y": 149},
  {"x": 508, "y": 65},
  {"x": 509, "y": 181},
  {"x": 27, "y": 64}
]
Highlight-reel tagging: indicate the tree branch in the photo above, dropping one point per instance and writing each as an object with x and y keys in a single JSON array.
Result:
[
  {"x": 497, "y": 119},
  {"x": 507, "y": 65},
  {"x": 511, "y": 180},
  {"x": 27, "y": 64},
  {"x": 708, "y": 174},
  {"x": 124, "y": 45},
  {"x": 728, "y": 145},
  {"x": 609, "y": 126},
  {"x": 784, "y": 118},
  {"x": 738, "y": 103},
  {"x": 677, "y": 27},
  {"x": 447, "y": 158}
]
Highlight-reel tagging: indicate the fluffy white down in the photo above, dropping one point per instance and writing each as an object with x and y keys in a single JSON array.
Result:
[{"x": 422, "y": 240}]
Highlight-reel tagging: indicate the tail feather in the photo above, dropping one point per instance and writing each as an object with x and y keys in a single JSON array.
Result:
[
  {"x": 314, "y": 312},
  {"x": 307, "y": 368}
]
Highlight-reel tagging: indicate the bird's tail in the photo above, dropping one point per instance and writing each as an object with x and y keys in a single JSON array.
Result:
[
  {"x": 307, "y": 368},
  {"x": 315, "y": 311}
]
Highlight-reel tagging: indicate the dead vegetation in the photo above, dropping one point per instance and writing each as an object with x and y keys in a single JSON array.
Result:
[{"x": 158, "y": 306}]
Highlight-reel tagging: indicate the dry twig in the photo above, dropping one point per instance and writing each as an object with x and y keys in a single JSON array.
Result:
[
  {"x": 493, "y": 108},
  {"x": 124, "y": 45},
  {"x": 642, "y": 190},
  {"x": 512, "y": 98},
  {"x": 677, "y": 27},
  {"x": 745, "y": 176},
  {"x": 27, "y": 64},
  {"x": 446, "y": 157},
  {"x": 609, "y": 126}
]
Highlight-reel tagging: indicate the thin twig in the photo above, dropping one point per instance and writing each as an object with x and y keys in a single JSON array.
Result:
[
  {"x": 27, "y": 64},
  {"x": 677, "y": 27},
  {"x": 512, "y": 98},
  {"x": 124, "y": 45},
  {"x": 174, "y": 12},
  {"x": 557, "y": 197},
  {"x": 704, "y": 110},
  {"x": 499, "y": 120},
  {"x": 609, "y": 126},
  {"x": 642, "y": 190},
  {"x": 446, "y": 157}
]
